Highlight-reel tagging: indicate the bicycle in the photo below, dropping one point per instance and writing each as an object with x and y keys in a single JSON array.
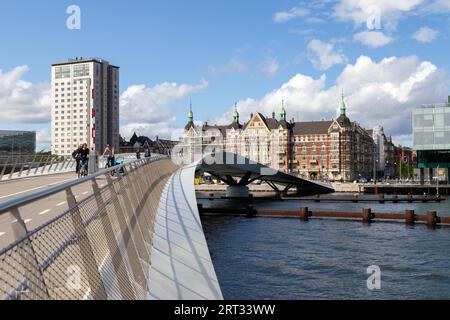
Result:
[
  {"x": 83, "y": 172},
  {"x": 114, "y": 164}
]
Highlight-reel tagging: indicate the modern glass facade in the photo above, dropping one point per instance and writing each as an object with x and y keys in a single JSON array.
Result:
[
  {"x": 431, "y": 131},
  {"x": 431, "y": 127},
  {"x": 17, "y": 142}
]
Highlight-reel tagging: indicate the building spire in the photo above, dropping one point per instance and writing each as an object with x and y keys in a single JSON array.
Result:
[
  {"x": 342, "y": 106},
  {"x": 190, "y": 114},
  {"x": 283, "y": 112},
  {"x": 235, "y": 114}
]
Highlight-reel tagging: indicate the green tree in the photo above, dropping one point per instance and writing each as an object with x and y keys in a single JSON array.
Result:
[
  {"x": 405, "y": 170},
  {"x": 44, "y": 153}
]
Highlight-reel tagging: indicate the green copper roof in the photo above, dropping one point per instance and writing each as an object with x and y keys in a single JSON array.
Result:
[
  {"x": 190, "y": 115},
  {"x": 283, "y": 112},
  {"x": 342, "y": 106},
  {"x": 235, "y": 114}
]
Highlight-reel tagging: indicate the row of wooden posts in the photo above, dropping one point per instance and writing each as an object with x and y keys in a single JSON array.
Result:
[
  {"x": 395, "y": 198},
  {"x": 431, "y": 218},
  {"x": 425, "y": 198}
]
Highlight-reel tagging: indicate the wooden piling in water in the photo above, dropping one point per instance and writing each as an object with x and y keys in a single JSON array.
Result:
[
  {"x": 304, "y": 214},
  {"x": 250, "y": 212},
  {"x": 410, "y": 217},
  {"x": 410, "y": 198},
  {"x": 395, "y": 198},
  {"x": 432, "y": 219},
  {"x": 367, "y": 215}
]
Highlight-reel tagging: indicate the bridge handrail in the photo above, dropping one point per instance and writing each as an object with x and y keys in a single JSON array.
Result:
[
  {"x": 21, "y": 201},
  {"x": 106, "y": 236}
]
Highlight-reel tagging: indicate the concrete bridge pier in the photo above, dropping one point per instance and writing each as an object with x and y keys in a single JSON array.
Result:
[{"x": 238, "y": 192}]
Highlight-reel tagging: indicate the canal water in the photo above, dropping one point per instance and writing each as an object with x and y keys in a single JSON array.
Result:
[{"x": 284, "y": 258}]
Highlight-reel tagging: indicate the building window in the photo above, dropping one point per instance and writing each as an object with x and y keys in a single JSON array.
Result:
[
  {"x": 62, "y": 72},
  {"x": 81, "y": 70}
]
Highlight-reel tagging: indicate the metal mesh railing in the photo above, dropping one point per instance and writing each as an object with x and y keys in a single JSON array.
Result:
[
  {"x": 17, "y": 166},
  {"x": 99, "y": 248}
]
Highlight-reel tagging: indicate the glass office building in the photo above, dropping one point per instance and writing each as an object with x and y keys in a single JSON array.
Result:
[
  {"x": 431, "y": 131},
  {"x": 17, "y": 142}
]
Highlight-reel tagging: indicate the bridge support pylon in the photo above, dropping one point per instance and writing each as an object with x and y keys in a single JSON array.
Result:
[{"x": 237, "y": 191}]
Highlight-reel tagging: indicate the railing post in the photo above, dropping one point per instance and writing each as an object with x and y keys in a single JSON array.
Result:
[
  {"x": 31, "y": 165},
  {"x": 91, "y": 266},
  {"x": 69, "y": 161},
  {"x": 113, "y": 247},
  {"x": 4, "y": 168},
  {"x": 13, "y": 168},
  {"x": 38, "y": 163},
  {"x": 127, "y": 290},
  {"x": 51, "y": 164},
  {"x": 28, "y": 259},
  {"x": 45, "y": 164},
  {"x": 63, "y": 164},
  {"x": 131, "y": 203},
  {"x": 21, "y": 169}
]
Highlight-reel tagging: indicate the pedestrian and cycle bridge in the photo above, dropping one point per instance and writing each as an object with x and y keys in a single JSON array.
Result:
[{"x": 136, "y": 235}]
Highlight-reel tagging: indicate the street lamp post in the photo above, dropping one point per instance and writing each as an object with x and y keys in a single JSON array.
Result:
[
  {"x": 437, "y": 182},
  {"x": 395, "y": 169}
]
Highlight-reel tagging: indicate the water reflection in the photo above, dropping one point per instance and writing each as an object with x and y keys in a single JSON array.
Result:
[{"x": 283, "y": 258}]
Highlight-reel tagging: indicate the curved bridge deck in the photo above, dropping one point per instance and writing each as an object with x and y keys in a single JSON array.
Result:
[{"x": 181, "y": 264}]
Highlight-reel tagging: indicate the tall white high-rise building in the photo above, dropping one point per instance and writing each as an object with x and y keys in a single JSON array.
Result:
[{"x": 85, "y": 105}]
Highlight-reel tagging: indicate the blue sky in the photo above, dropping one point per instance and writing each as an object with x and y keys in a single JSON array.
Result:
[{"x": 218, "y": 52}]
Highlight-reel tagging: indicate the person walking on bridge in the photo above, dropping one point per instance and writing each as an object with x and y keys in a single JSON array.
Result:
[
  {"x": 84, "y": 156},
  {"x": 77, "y": 156},
  {"x": 110, "y": 153}
]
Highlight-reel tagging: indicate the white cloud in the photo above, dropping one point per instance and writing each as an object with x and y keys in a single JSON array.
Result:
[
  {"x": 373, "y": 39},
  {"x": 162, "y": 129},
  {"x": 147, "y": 110},
  {"x": 359, "y": 11},
  {"x": 139, "y": 103},
  {"x": 43, "y": 136},
  {"x": 270, "y": 67},
  {"x": 323, "y": 56},
  {"x": 383, "y": 92},
  {"x": 23, "y": 101},
  {"x": 425, "y": 34},
  {"x": 43, "y": 139},
  {"x": 285, "y": 16},
  {"x": 233, "y": 66}
]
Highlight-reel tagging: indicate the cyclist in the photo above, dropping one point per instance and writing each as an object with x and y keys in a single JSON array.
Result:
[
  {"x": 77, "y": 156},
  {"x": 111, "y": 154},
  {"x": 84, "y": 154},
  {"x": 147, "y": 153}
]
